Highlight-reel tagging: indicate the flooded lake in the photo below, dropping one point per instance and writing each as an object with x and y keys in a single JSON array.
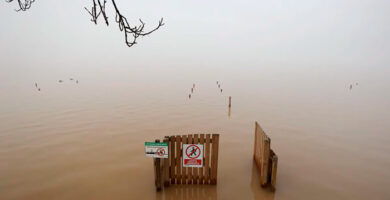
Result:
[
  {"x": 86, "y": 140},
  {"x": 77, "y": 105}
]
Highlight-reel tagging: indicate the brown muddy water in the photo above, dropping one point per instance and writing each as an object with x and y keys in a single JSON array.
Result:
[{"x": 86, "y": 140}]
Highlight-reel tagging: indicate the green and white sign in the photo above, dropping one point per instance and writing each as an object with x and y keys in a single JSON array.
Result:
[{"x": 156, "y": 150}]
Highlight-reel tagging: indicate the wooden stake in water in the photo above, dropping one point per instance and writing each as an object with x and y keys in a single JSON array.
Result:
[
  {"x": 273, "y": 172},
  {"x": 166, "y": 165},
  {"x": 230, "y": 101},
  {"x": 265, "y": 161},
  {"x": 157, "y": 172}
]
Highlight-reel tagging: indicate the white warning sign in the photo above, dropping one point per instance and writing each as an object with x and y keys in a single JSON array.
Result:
[
  {"x": 192, "y": 155},
  {"x": 156, "y": 150}
]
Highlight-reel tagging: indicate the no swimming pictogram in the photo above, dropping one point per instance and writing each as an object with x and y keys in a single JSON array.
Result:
[{"x": 160, "y": 152}]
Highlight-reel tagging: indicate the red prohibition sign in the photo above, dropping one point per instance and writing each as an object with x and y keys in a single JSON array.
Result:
[
  {"x": 160, "y": 151},
  {"x": 190, "y": 152}
]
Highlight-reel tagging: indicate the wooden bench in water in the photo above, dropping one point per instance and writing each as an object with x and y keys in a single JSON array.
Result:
[
  {"x": 265, "y": 158},
  {"x": 170, "y": 170}
]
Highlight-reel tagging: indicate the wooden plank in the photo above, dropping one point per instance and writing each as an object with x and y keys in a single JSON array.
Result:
[
  {"x": 173, "y": 159},
  {"x": 166, "y": 165},
  {"x": 214, "y": 159},
  {"x": 158, "y": 175},
  {"x": 189, "y": 169},
  {"x": 184, "y": 169},
  {"x": 273, "y": 172},
  {"x": 178, "y": 159},
  {"x": 155, "y": 170},
  {"x": 207, "y": 160},
  {"x": 265, "y": 161},
  {"x": 201, "y": 177},
  {"x": 255, "y": 145},
  {"x": 261, "y": 142},
  {"x": 195, "y": 170}
]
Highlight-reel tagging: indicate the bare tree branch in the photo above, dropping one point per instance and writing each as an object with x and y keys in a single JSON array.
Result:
[
  {"x": 23, "y": 4},
  {"x": 135, "y": 31},
  {"x": 93, "y": 12},
  {"x": 103, "y": 10},
  {"x": 132, "y": 33}
]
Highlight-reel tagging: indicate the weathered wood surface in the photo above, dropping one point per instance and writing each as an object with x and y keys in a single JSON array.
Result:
[
  {"x": 178, "y": 159},
  {"x": 265, "y": 158},
  {"x": 166, "y": 163},
  {"x": 171, "y": 147},
  {"x": 201, "y": 177},
  {"x": 207, "y": 160},
  {"x": 190, "y": 141},
  {"x": 273, "y": 172},
  {"x": 158, "y": 171},
  {"x": 184, "y": 169},
  {"x": 172, "y": 169},
  {"x": 195, "y": 170},
  {"x": 214, "y": 159}
]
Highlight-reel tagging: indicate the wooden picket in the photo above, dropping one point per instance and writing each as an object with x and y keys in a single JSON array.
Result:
[
  {"x": 172, "y": 170},
  {"x": 178, "y": 159},
  {"x": 184, "y": 169},
  {"x": 158, "y": 171},
  {"x": 265, "y": 158},
  {"x": 171, "y": 149},
  {"x": 166, "y": 163}
]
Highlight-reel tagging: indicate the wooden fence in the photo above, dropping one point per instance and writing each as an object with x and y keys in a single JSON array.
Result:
[
  {"x": 171, "y": 171},
  {"x": 265, "y": 158}
]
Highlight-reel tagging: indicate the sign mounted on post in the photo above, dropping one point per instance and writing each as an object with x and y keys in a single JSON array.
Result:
[
  {"x": 156, "y": 150},
  {"x": 192, "y": 155}
]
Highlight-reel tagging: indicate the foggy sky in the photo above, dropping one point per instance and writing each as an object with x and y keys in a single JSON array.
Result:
[{"x": 198, "y": 33}]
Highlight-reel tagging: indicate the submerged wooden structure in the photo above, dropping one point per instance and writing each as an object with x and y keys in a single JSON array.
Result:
[
  {"x": 265, "y": 158},
  {"x": 171, "y": 171}
]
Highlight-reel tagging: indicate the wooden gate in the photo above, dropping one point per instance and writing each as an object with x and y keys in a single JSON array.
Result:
[
  {"x": 265, "y": 158},
  {"x": 171, "y": 171}
]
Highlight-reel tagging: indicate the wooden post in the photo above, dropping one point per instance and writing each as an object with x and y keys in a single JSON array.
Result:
[
  {"x": 255, "y": 145},
  {"x": 157, "y": 169},
  {"x": 189, "y": 180},
  {"x": 214, "y": 159},
  {"x": 184, "y": 169},
  {"x": 265, "y": 161},
  {"x": 201, "y": 177},
  {"x": 230, "y": 101},
  {"x": 273, "y": 171},
  {"x": 173, "y": 160},
  {"x": 195, "y": 170},
  {"x": 207, "y": 160},
  {"x": 178, "y": 159},
  {"x": 166, "y": 165}
]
